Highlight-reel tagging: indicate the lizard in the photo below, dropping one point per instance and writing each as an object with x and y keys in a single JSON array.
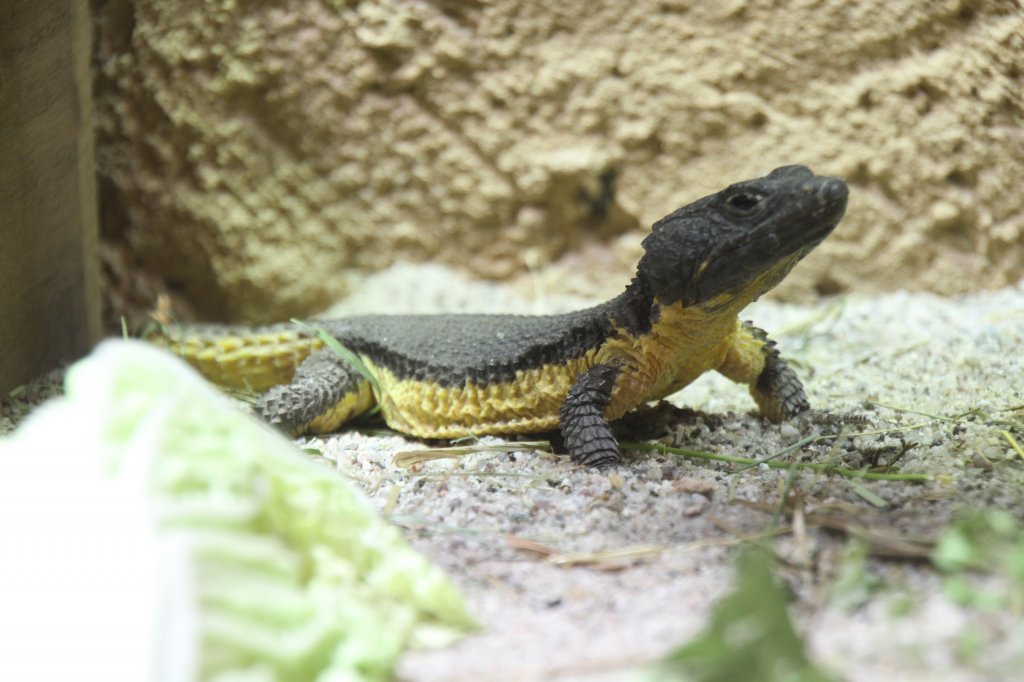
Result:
[{"x": 449, "y": 375}]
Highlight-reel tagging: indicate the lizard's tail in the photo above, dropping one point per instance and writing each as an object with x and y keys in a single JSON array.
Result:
[{"x": 254, "y": 358}]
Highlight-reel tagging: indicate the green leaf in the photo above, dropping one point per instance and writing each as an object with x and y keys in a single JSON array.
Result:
[
  {"x": 869, "y": 495},
  {"x": 954, "y": 551},
  {"x": 750, "y": 636},
  {"x": 345, "y": 354},
  {"x": 853, "y": 585},
  {"x": 989, "y": 542}
]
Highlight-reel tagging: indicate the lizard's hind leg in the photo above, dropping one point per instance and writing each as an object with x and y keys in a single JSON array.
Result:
[{"x": 324, "y": 393}]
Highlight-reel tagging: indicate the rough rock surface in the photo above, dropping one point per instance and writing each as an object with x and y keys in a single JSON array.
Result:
[{"x": 262, "y": 156}]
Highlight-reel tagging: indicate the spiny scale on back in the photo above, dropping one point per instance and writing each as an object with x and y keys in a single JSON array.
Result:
[{"x": 446, "y": 376}]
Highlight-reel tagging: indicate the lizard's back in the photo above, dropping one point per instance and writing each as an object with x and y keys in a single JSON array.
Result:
[{"x": 451, "y": 350}]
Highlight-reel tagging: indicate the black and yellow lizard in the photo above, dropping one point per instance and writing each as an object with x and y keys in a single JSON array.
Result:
[{"x": 446, "y": 376}]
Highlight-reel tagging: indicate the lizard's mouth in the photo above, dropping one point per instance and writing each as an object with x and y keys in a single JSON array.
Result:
[
  {"x": 834, "y": 194},
  {"x": 815, "y": 211}
]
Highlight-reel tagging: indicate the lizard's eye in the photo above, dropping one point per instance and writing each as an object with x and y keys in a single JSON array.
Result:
[{"x": 744, "y": 202}]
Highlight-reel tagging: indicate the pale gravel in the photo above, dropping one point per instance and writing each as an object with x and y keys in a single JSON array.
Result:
[{"x": 546, "y": 622}]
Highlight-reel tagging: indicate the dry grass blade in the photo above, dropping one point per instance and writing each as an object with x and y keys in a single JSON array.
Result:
[
  {"x": 604, "y": 560},
  {"x": 410, "y": 458},
  {"x": 830, "y": 314},
  {"x": 608, "y": 559},
  {"x": 880, "y": 541},
  {"x": 527, "y": 545},
  {"x": 392, "y": 501}
]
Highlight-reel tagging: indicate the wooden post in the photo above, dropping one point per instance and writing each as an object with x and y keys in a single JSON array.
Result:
[{"x": 49, "y": 272}]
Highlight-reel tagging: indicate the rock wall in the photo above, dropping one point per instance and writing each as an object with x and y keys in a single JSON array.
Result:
[{"x": 261, "y": 156}]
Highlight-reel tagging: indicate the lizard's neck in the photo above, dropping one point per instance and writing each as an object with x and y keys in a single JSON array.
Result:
[{"x": 635, "y": 309}]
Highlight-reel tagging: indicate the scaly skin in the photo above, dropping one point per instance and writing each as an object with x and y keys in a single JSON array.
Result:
[{"x": 447, "y": 376}]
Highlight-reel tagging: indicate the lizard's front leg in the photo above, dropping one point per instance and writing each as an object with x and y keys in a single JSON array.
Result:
[
  {"x": 324, "y": 393},
  {"x": 754, "y": 360},
  {"x": 587, "y": 433}
]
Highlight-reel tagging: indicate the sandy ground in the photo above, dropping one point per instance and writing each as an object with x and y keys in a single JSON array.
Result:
[{"x": 889, "y": 377}]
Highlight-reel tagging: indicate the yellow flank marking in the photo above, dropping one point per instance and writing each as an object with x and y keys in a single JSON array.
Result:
[
  {"x": 527, "y": 404},
  {"x": 257, "y": 361},
  {"x": 682, "y": 345}
]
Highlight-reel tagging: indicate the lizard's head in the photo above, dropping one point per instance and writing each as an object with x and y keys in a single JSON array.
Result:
[{"x": 742, "y": 241}]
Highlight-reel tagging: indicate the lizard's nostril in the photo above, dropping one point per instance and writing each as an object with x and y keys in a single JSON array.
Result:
[{"x": 833, "y": 188}]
